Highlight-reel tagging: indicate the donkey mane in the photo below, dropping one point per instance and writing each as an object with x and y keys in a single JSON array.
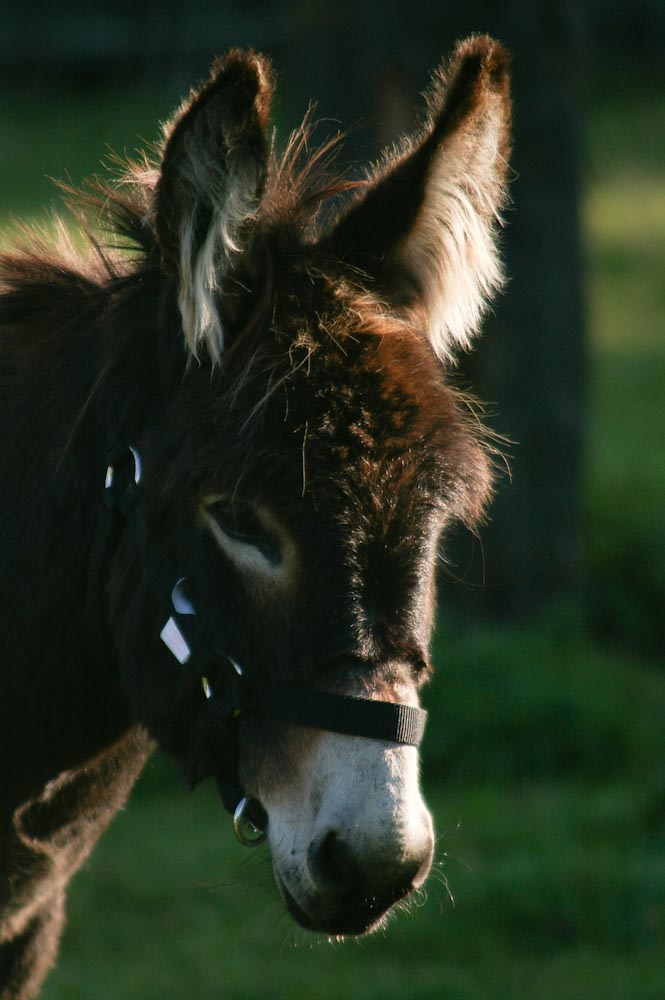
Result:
[{"x": 114, "y": 214}]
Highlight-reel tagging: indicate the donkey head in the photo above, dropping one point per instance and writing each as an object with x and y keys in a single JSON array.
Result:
[{"x": 326, "y": 452}]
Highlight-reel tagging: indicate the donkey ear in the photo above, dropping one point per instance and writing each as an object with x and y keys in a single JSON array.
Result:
[
  {"x": 424, "y": 229},
  {"x": 211, "y": 180}
]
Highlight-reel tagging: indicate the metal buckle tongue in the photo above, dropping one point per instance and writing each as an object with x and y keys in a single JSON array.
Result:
[{"x": 245, "y": 830}]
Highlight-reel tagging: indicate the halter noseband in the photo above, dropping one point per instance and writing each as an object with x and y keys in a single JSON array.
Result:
[{"x": 181, "y": 635}]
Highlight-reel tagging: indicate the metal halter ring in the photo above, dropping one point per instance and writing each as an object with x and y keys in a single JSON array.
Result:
[
  {"x": 138, "y": 469},
  {"x": 246, "y": 832}
]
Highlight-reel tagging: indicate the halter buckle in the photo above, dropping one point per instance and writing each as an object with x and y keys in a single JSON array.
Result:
[
  {"x": 119, "y": 488},
  {"x": 117, "y": 462}
]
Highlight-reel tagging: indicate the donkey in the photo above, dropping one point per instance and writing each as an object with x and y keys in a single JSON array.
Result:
[{"x": 230, "y": 448}]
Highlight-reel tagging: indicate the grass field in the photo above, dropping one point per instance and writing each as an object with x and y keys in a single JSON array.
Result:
[{"x": 546, "y": 770}]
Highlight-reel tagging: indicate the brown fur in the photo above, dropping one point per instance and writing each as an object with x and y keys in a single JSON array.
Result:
[{"x": 263, "y": 331}]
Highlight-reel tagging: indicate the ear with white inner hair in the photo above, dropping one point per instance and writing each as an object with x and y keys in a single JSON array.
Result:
[
  {"x": 424, "y": 228},
  {"x": 211, "y": 180}
]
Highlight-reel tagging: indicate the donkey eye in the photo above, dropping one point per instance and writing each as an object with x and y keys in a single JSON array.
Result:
[{"x": 241, "y": 523}]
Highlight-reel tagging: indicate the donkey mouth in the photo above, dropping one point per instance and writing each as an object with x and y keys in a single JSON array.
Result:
[{"x": 345, "y": 917}]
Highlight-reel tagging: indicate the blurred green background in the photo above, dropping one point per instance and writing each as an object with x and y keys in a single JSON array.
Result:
[{"x": 545, "y": 758}]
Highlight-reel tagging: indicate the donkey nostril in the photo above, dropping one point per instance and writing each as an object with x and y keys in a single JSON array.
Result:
[{"x": 332, "y": 865}]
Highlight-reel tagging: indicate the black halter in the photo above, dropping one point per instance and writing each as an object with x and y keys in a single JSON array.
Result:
[{"x": 181, "y": 635}]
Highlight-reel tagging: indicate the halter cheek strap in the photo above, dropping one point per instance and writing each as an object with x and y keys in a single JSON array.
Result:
[{"x": 242, "y": 693}]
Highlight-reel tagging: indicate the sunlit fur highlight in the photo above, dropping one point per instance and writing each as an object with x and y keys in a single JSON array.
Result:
[
  {"x": 454, "y": 243},
  {"x": 213, "y": 176},
  {"x": 202, "y": 268},
  {"x": 449, "y": 257}
]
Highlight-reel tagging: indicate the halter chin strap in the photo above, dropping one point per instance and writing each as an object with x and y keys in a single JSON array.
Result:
[{"x": 240, "y": 692}]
